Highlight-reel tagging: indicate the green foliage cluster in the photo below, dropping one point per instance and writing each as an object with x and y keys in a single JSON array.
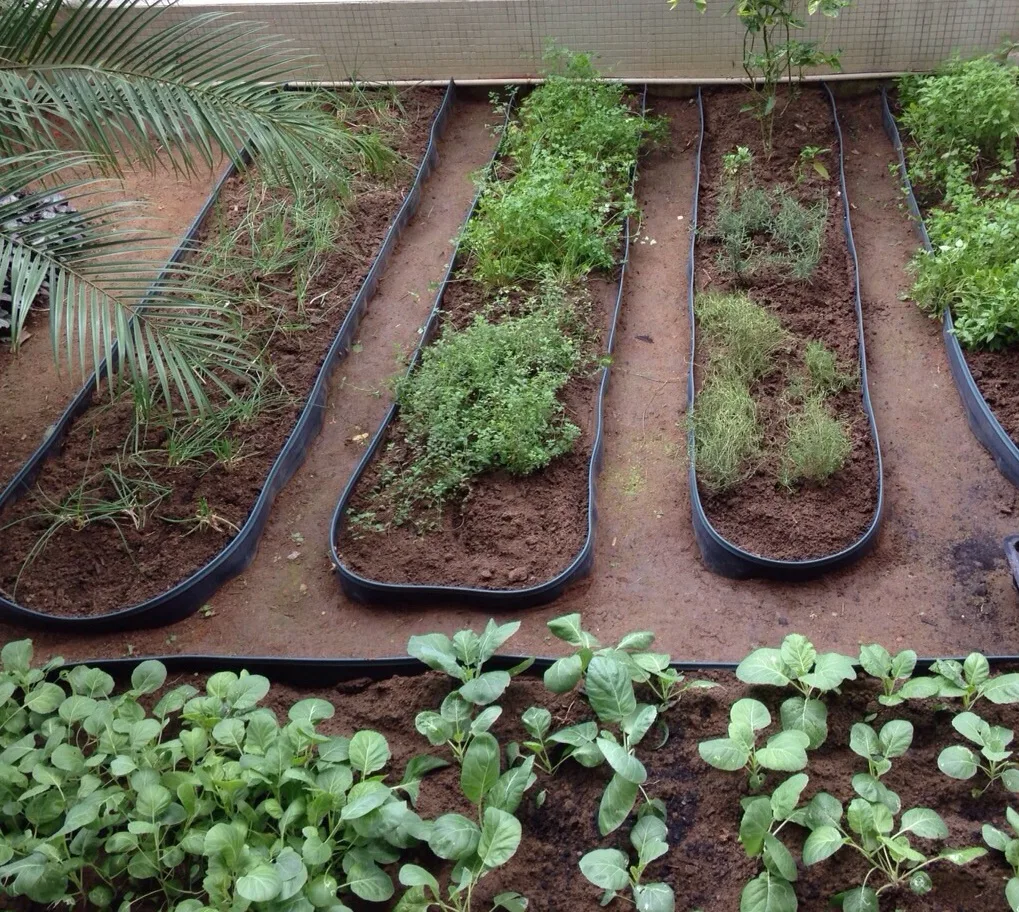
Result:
[
  {"x": 765, "y": 228},
  {"x": 963, "y": 124},
  {"x": 483, "y": 398},
  {"x": 743, "y": 337},
  {"x": 562, "y": 208},
  {"x": 818, "y": 444}
]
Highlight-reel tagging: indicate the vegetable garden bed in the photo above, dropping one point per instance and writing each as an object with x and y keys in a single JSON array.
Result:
[
  {"x": 973, "y": 108},
  {"x": 190, "y": 518},
  {"x": 612, "y": 760},
  {"x": 517, "y": 525},
  {"x": 785, "y": 468}
]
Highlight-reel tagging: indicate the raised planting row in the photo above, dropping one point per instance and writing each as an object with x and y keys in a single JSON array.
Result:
[
  {"x": 481, "y": 478},
  {"x": 960, "y": 128},
  {"x": 145, "y": 503},
  {"x": 786, "y": 471},
  {"x": 868, "y": 783}
]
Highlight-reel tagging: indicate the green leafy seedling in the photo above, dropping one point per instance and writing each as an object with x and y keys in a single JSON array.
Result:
[
  {"x": 891, "y": 670},
  {"x": 971, "y": 681},
  {"x": 1008, "y": 844},
  {"x": 785, "y": 751},
  {"x": 798, "y": 665},
  {"x": 880, "y": 748},
  {"x": 763, "y": 819},
  {"x": 870, "y": 830},
  {"x": 610, "y": 869},
  {"x": 994, "y": 759}
]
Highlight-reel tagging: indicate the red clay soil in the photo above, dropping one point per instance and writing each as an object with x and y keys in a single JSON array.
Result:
[
  {"x": 759, "y": 514},
  {"x": 33, "y": 392},
  {"x": 997, "y": 376},
  {"x": 936, "y": 581},
  {"x": 104, "y": 566},
  {"x": 706, "y": 865},
  {"x": 509, "y": 531}
]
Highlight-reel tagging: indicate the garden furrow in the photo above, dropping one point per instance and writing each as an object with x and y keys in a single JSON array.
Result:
[{"x": 213, "y": 497}]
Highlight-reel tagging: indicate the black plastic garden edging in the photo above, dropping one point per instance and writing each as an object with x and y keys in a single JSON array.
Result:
[
  {"x": 719, "y": 554},
  {"x": 982, "y": 422},
  {"x": 187, "y": 596},
  {"x": 367, "y": 590},
  {"x": 1012, "y": 557}
]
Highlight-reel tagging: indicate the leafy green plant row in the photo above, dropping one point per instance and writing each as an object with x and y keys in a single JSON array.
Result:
[
  {"x": 192, "y": 800},
  {"x": 963, "y": 125}
]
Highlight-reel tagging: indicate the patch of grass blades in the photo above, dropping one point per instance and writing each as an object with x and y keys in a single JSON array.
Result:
[
  {"x": 743, "y": 337},
  {"x": 826, "y": 377},
  {"x": 818, "y": 445},
  {"x": 483, "y": 398},
  {"x": 727, "y": 433}
]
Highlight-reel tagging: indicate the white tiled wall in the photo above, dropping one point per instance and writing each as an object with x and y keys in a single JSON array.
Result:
[{"x": 478, "y": 39}]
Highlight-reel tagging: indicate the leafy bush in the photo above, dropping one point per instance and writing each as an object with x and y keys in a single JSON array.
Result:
[
  {"x": 964, "y": 116},
  {"x": 818, "y": 444},
  {"x": 826, "y": 377},
  {"x": 743, "y": 337},
  {"x": 973, "y": 269},
  {"x": 727, "y": 432},
  {"x": 485, "y": 397}
]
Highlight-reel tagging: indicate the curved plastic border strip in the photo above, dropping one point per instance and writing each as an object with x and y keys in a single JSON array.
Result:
[
  {"x": 363, "y": 589},
  {"x": 982, "y": 421},
  {"x": 719, "y": 554},
  {"x": 186, "y": 597}
]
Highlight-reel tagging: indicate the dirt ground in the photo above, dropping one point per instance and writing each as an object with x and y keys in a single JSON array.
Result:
[{"x": 936, "y": 581}]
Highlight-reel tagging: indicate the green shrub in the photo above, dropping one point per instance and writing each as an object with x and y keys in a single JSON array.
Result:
[
  {"x": 973, "y": 269},
  {"x": 826, "y": 377},
  {"x": 818, "y": 444},
  {"x": 727, "y": 433},
  {"x": 743, "y": 337},
  {"x": 483, "y": 398},
  {"x": 965, "y": 115}
]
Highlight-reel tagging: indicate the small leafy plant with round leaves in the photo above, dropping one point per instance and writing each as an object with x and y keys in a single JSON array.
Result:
[
  {"x": 880, "y": 748},
  {"x": 972, "y": 681},
  {"x": 1008, "y": 845},
  {"x": 891, "y": 670},
  {"x": 994, "y": 759}
]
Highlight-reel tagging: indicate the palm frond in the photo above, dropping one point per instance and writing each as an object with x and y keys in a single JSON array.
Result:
[
  {"x": 114, "y": 77},
  {"x": 105, "y": 300}
]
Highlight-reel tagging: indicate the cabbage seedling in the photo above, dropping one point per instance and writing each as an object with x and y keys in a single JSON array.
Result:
[
  {"x": 971, "y": 681},
  {"x": 1009, "y": 845},
  {"x": 879, "y": 749},
  {"x": 611, "y": 870},
  {"x": 960, "y": 762},
  {"x": 890, "y": 670},
  {"x": 799, "y": 665},
  {"x": 785, "y": 751}
]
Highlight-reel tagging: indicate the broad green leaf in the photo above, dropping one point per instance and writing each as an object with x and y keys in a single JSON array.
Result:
[
  {"x": 654, "y": 897},
  {"x": 863, "y": 741},
  {"x": 16, "y": 657},
  {"x": 480, "y": 769},
  {"x": 636, "y": 725},
  {"x": 786, "y": 796},
  {"x": 622, "y": 761},
  {"x": 638, "y": 641},
  {"x": 958, "y": 762},
  {"x": 229, "y": 732},
  {"x": 822, "y": 843},
  {"x": 895, "y": 738},
  {"x": 311, "y": 710},
  {"x": 723, "y": 754},
  {"x": 976, "y": 669},
  {"x": 798, "y": 654},
  {"x": 1002, "y": 689},
  {"x": 510, "y": 901},
  {"x": 920, "y": 688},
  {"x": 786, "y": 751},
  {"x": 609, "y": 689},
  {"x": 44, "y": 698},
  {"x": 824, "y": 810},
  {"x": 616, "y": 803},
  {"x": 763, "y": 666},
  {"x": 412, "y": 875},
  {"x": 509, "y": 788},
  {"x": 971, "y": 727},
  {"x": 755, "y": 825},
  {"x": 831, "y": 669},
  {"x": 767, "y": 893},
  {"x": 564, "y": 674},
  {"x": 963, "y": 856},
  {"x": 903, "y": 664},
  {"x": 537, "y": 720},
  {"x": 994, "y": 837},
  {"x": 647, "y": 834},
  {"x": 751, "y": 713},
  {"x": 292, "y": 872},
  {"x": 778, "y": 858},
  {"x": 576, "y": 735},
  {"x": 493, "y": 637},
  {"x": 78, "y": 816},
  {"x": 261, "y": 885},
  {"x": 923, "y": 822},
  {"x": 500, "y": 837},
  {"x": 875, "y": 791},
  {"x": 363, "y": 798},
  {"x": 1010, "y": 778},
  {"x": 568, "y": 628},
  {"x": 1012, "y": 893},
  {"x": 606, "y": 868},
  {"x": 436, "y": 729},
  {"x": 467, "y": 648},
  {"x": 152, "y": 800},
  {"x": 875, "y": 660},
  {"x": 368, "y": 752},
  {"x": 808, "y": 716},
  {"x": 453, "y": 837},
  {"x": 486, "y": 687},
  {"x": 436, "y": 651},
  {"x": 247, "y": 691},
  {"x": 369, "y": 882},
  {"x": 148, "y": 676},
  {"x": 860, "y": 899}
]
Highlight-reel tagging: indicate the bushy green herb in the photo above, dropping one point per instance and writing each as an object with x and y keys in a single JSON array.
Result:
[
  {"x": 879, "y": 663},
  {"x": 994, "y": 760},
  {"x": 797, "y": 664},
  {"x": 810, "y": 158},
  {"x": 818, "y": 445},
  {"x": 826, "y": 377},
  {"x": 1007, "y": 844},
  {"x": 742, "y": 336},
  {"x": 727, "y": 432},
  {"x": 610, "y": 869},
  {"x": 963, "y": 117}
]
